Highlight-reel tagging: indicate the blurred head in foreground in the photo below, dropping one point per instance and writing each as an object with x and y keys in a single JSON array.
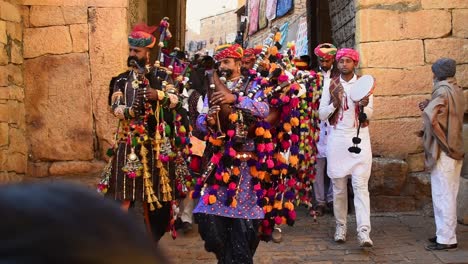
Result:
[{"x": 65, "y": 223}]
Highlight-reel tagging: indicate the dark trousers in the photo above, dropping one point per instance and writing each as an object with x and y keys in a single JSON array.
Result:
[{"x": 232, "y": 240}]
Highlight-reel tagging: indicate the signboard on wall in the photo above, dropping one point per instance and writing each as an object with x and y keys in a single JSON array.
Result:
[{"x": 302, "y": 43}]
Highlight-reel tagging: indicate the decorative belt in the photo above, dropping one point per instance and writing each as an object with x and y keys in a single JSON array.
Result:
[{"x": 245, "y": 156}]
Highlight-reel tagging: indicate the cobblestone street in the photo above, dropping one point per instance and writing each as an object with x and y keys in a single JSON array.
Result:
[{"x": 398, "y": 238}]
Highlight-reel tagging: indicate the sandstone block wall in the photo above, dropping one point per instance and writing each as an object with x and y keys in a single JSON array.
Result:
[
  {"x": 217, "y": 28},
  {"x": 13, "y": 147},
  {"x": 56, "y": 122},
  {"x": 398, "y": 41}
]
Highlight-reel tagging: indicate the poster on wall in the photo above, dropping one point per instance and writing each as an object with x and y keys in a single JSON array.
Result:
[
  {"x": 284, "y": 29},
  {"x": 301, "y": 38},
  {"x": 262, "y": 20},
  {"x": 283, "y": 7},
  {"x": 271, "y": 9},
  {"x": 254, "y": 6}
]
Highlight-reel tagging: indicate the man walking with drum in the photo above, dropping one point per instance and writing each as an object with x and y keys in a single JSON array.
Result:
[{"x": 342, "y": 113}]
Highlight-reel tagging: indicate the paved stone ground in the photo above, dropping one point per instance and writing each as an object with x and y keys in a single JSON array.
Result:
[{"x": 398, "y": 238}]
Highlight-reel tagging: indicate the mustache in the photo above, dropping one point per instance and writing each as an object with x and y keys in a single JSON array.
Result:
[
  {"x": 141, "y": 62},
  {"x": 226, "y": 72}
]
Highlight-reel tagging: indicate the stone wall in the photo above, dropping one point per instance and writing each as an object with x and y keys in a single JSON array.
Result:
[
  {"x": 215, "y": 29},
  {"x": 398, "y": 41},
  {"x": 71, "y": 49},
  {"x": 300, "y": 9},
  {"x": 13, "y": 147}
]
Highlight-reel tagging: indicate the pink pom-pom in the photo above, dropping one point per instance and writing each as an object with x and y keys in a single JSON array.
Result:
[
  {"x": 264, "y": 81},
  {"x": 270, "y": 164},
  {"x": 285, "y": 144},
  {"x": 291, "y": 182},
  {"x": 285, "y": 99},
  {"x": 215, "y": 187},
  {"x": 231, "y": 133},
  {"x": 269, "y": 147},
  {"x": 205, "y": 199},
  {"x": 282, "y": 78},
  {"x": 257, "y": 187},
  {"x": 261, "y": 147},
  {"x": 278, "y": 220},
  {"x": 292, "y": 215},
  {"x": 281, "y": 187},
  {"x": 252, "y": 72},
  {"x": 218, "y": 176},
  {"x": 274, "y": 101},
  {"x": 215, "y": 158},
  {"x": 232, "y": 152},
  {"x": 232, "y": 186},
  {"x": 294, "y": 102},
  {"x": 271, "y": 192},
  {"x": 294, "y": 138},
  {"x": 265, "y": 223},
  {"x": 199, "y": 181}
]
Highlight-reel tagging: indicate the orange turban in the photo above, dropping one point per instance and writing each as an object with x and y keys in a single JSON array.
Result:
[{"x": 229, "y": 51}]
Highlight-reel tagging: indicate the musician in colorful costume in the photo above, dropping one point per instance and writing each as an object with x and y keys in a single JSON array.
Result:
[
  {"x": 151, "y": 132},
  {"x": 341, "y": 112},
  {"x": 227, "y": 213}
]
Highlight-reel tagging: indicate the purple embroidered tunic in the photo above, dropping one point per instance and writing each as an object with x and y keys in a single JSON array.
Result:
[{"x": 247, "y": 207}]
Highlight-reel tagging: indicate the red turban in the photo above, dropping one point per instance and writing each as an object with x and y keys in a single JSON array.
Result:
[
  {"x": 250, "y": 54},
  {"x": 347, "y": 52},
  {"x": 229, "y": 51},
  {"x": 325, "y": 50},
  {"x": 142, "y": 36}
]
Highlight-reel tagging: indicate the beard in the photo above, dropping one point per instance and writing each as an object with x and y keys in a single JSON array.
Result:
[
  {"x": 141, "y": 62},
  {"x": 244, "y": 71},
  {"x": 225, "y": 72}
]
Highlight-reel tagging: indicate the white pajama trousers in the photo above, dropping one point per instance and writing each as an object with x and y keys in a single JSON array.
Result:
[
  {"x": 445, "y": 180},
  {"x": 185, "y": 209},
  {"x": 321, "y": 195},
  {"x": 341, "y": 165}
]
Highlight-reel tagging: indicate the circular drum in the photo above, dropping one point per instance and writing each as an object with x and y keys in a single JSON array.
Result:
[{"x": 363, "y": 87}]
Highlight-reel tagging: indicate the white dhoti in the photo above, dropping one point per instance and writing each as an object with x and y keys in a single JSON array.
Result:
[
  {"x": 341, "y": 164},
  {"x": 445, "y": 180}
]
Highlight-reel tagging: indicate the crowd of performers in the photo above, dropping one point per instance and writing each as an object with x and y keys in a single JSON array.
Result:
[{"x": 236, "y": 140}]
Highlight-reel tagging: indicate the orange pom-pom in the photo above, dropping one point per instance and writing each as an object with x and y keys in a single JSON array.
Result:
[
  {"x": 216, "y": 142},
  {"x": 226, "y": 177},
  {"x": 277, "y": 36},
  {"x": 287, "y": 127},
  {"x": 275, "y": 172},
  {"x": 212, "y": 199},
  {"x": 261, "y": 175},
  {"x": 278, "y": 205},
  {"x": 267, "y": 208},
  {"x": 233, "y": 117},
  {"x": 259, "y": 131},
  {"x": 289, "y": 206},
  {"x": 284, "y": 171},
  {"x": 293, "y": 159},
  {"x": 253, "y": 171},
  {"x": 283, "y": 220},
  {"x": 267, "y": 134},
  {"x": 234, "y": 203},
  {"x": 236, "y": 171},
  {"x": 294, "y": 121}
]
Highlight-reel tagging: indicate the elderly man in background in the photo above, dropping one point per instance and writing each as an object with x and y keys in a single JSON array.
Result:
[{"x": 443, "y": 146}]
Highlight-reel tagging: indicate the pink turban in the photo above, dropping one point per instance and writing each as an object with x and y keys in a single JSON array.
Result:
[{"x": 347, "y": 52}]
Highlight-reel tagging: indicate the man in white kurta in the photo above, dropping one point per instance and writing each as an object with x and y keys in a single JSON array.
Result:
[
  {"x": 340, "y": 111},
  {"x": 325, "y": 53}
]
